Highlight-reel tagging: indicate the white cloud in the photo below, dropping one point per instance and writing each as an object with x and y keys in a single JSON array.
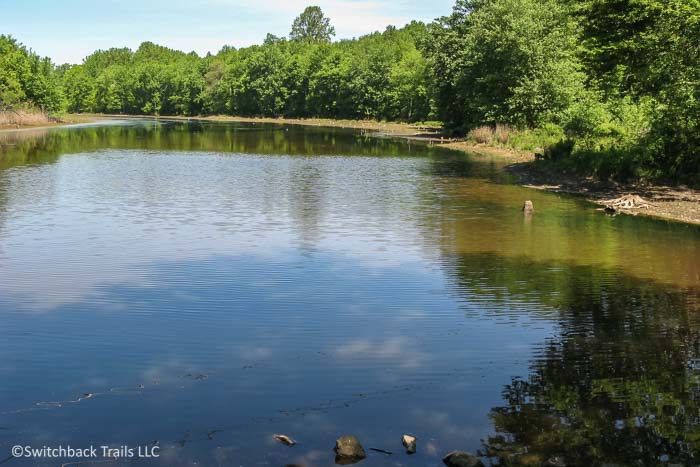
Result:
[{"x": 397, "y": 350}]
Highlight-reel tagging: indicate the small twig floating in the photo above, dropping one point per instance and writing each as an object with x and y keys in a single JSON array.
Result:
[{"x": 383, "y": 451}]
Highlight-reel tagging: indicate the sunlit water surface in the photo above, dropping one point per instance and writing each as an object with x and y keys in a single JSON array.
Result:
[{"x": 210, "y": 285}]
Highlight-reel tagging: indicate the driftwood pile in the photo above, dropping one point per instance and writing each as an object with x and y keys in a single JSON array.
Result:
[{"x": 626, "y": 202}]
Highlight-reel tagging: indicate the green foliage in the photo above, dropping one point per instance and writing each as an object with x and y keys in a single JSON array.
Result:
[
  {"x": 27, "y": 79},
  {"x": 621, "y": 78},
  {"x": 507, "y": 61},
  {"x": 381, "y": 76},
  {"x": 673, "y": 81},
  {"x": 152, "y": 80},
  {"x": 312, "y": 26}
]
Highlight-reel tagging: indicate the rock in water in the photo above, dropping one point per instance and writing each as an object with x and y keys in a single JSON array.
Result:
[
  {"x": 556, "y": 461},
  {"x": 461, "y": 459},
  {"x": 409, "y": 442},
  {"x": 528, "y": 207},
  {"x": 284, "y": 439},
  {"x": 348, "y": 450}
]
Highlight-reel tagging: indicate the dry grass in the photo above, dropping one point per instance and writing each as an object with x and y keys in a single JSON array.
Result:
[
  {"x": 20, "y": 118},
  {"x": 482, "y": 134},
  {"x": 500, "y": 134}
]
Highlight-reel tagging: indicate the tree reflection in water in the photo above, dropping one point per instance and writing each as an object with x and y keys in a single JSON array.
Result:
[{"x": 618, "y": 385}]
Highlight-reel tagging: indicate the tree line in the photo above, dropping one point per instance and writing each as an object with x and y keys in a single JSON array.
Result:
[{"x": 615, "y": 84}]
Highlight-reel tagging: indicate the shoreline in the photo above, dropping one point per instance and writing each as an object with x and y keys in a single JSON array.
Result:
[
  {"x": 677, "y": 204},
  {"x": 67, "y": 120},
  {"x": 669, "y": 203}
]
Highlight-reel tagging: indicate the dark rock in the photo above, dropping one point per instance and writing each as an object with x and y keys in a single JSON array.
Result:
[
  {"x": 461, "y": 459},
  {"x": 348, "y": 450}
]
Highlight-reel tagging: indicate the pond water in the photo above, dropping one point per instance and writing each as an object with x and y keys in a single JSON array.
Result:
[{"x": 204, "y": 286}]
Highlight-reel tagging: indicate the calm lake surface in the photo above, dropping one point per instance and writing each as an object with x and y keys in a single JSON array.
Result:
[{"x": 210, "y": 285}]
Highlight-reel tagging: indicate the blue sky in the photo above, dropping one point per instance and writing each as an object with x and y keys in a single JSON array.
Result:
[{"x": 68, "y": 30}]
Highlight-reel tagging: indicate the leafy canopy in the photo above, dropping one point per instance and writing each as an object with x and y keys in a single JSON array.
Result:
[{"x": 312, "y": 26}]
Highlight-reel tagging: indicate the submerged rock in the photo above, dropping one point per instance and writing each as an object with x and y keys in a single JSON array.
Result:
[
  {"x": 461, "y": 459},
  {"x": 348, "y": 450},
  {"x": 556, "y": 461},
  {"x": 409, "y": 442},
  {"x": 284, "y": 439}
]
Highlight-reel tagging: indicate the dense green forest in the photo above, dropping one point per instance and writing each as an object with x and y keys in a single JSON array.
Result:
[{"x": 604, "y": 87}]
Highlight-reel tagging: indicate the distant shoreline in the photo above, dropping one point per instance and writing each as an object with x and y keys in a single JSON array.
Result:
[
  {"x": 679, "y": 204},
  {"x": 66, "y": 120}
]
